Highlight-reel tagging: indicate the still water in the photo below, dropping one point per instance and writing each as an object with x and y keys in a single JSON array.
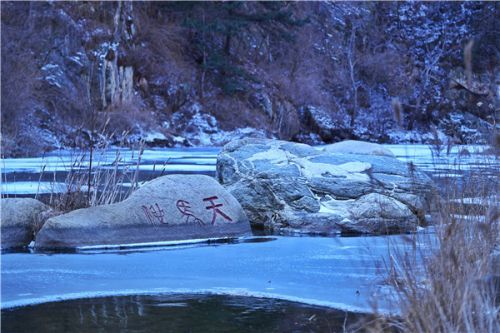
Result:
[{"x": 185, "y": 313}]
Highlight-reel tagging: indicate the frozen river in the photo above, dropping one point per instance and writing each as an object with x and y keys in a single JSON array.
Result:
[
  {"x": 340, "y": 272},
  {"x": 39, "y": 175}
]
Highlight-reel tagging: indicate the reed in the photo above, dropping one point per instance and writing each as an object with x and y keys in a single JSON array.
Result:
[
  {"x": 92, "y": 180},
  {"x": 446, "y": 281}
]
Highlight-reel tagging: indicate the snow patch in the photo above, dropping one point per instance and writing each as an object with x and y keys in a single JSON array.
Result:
[
  {"x": 152, "y": 136},
  {"x": 351, "y": 170},
  {"x": 336, "y": 207},
  {"x": 357, "y": 147}
]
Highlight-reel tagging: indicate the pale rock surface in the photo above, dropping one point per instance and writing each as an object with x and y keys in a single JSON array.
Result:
[
  {"x": 21, "y": 218},
  {"x": 358, "y": 147},
  {"x": 294, "y": 188},
  {"x": 168, "y": 208}
]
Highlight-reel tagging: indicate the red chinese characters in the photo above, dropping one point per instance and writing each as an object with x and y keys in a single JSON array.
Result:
[
  {"x": 154, "y": 214},
  {"x": 215, "y": 209},
  {"x": 185, "y": 208}
]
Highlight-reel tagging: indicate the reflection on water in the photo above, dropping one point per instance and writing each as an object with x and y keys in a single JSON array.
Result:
[{"x": 176, "y": 313}]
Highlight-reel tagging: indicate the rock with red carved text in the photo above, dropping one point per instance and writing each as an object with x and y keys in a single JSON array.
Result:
[
  {"x": 168, "y": 208},
  {"x": 21, "y": 218}
]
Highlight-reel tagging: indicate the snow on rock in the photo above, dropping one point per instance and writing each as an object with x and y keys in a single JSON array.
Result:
[
  {"x": 401, "y": 136},
  {"x": 202, "y": 129},
  {"x": 53, "y": 75},
  {"x": 357, "y": 147},
  {"x": 155, "y": 138},
  {"x": 350, "y": 170},
  {"x": 290, "y": 187}
]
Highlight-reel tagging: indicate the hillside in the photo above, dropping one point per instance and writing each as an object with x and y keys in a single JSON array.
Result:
[{"x": 203, "y": 73}]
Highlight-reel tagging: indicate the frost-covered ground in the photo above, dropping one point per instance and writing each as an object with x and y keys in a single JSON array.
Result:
[{"x": 340, "y": 272}]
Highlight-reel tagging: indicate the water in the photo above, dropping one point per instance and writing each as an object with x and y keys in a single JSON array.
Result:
[{"x": 174, "y": 313}]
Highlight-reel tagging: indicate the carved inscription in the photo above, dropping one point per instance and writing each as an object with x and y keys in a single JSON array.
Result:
[
  {"x": 185, "y": 208},
  {"x": 154, "y": 214},
  {"x": 215, "y": 209}
]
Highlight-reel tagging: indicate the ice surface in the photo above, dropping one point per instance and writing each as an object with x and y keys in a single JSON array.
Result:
[
  {"x": 425, "y": 157},
  {"x": 192, "y": 160},
  {"x": 339, "y": 272},
  {"x": 13, "y": 188},
  {"x": 203, "y": 160}
]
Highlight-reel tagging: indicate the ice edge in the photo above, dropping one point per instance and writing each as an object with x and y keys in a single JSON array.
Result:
[{"x": 167, "y": 291}]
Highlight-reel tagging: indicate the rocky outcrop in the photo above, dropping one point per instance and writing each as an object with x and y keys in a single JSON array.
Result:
[
  {"x": 323, "y": 123},
  {"x": 291, "y": 187},
  {"x": 21, "y": 218},
  {"x": 145, "y": 65},
  {"x": 466, "y": 127},
  {"x": 174, "y": 207},
  {"x": 202, "y": 129},
  {"x": 117, "y": 82}
]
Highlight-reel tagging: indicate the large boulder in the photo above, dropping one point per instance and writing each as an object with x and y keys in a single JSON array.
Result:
[
  {"x": 168, "y": 208},
  {"x": 20, "y": 219},
  {"x": 290, "y": 187}
]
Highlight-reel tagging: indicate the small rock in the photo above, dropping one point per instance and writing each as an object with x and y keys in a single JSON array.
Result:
[{"x": 21, "y": 219}]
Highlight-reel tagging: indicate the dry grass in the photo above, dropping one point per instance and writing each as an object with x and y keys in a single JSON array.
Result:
[
  {"x": 97, "y": 183},
  {"x": 445, "y": 281}
]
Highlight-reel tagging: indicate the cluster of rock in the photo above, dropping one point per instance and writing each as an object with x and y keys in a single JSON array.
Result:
[
  {"x": 168, "y": 208},
  {"x": 351, "y": 187},
  {"x": 284, "y": 187}
]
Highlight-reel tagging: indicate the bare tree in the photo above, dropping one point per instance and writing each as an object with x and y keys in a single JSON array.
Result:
[{"x": 352, "y": 62}]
